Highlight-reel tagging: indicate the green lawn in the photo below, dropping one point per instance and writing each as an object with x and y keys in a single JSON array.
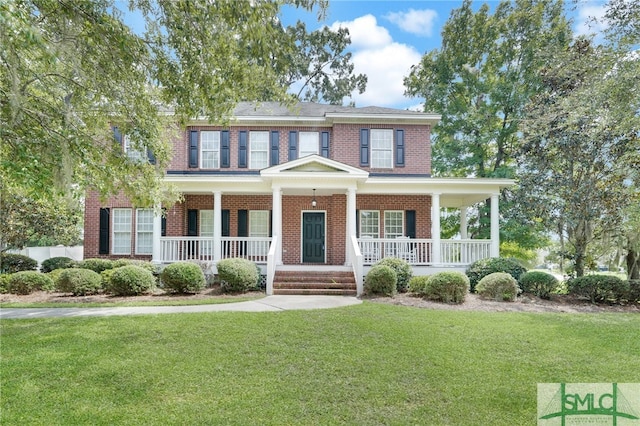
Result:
[
  {"x": 214, "y": 300},
  {"x": 369, "y": 364}
]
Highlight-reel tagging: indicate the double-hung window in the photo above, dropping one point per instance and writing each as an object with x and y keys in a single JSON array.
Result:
[
  {"x": 144, "y": 231},
  {"x": 259, "y": 227},
  {"x": 393, "y": 223},
  {"x": 382, "y": 148},
  {"x": 309, "y": 144},
  {"x": 133, "y": 152},
  {"x": 258, "y": 150},
  {"x": 370, "y": 223},
  {"x": 209, "y": 149},
  {"x": 206, "y": 230},
  {"x": 121, "y": 231}
]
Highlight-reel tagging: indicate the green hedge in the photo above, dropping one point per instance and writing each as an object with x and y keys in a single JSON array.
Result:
[
  {"x": 96, "y": 265},
  {"x": 11, "y": 263},
  {"x": 26, "y": 282},
  {"x": 237, "y": 275},
  {"x": 182, "y": 277},
  {"x": 481, "y": 268},
  {"x": 538, "y": 283},
  {"x": 447, "y": 286},
  {"x": 599, "y": 288},
  {"x": 53, "y": 263},
  {"x": 418, "y": 284},
  {"x": 499, "y": 286},
  {"x": 402, "y": 269},
  {"x": 79, "y": 282},
  {"x": 381, "y": 279},
  {"x": 130, "y": 281}
]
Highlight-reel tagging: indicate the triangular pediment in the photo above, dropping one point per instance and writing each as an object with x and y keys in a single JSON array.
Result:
[{"x": 314, "y": 164}]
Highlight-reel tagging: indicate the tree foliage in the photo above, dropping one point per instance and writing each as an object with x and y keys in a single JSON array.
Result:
[
  {"x": 580, "y": 142},
  {"x": 480, "y": 83},
  {"x": 71, "y": 70}
]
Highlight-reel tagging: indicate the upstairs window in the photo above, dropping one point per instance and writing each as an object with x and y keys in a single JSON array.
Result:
[
  {"x": 134, "y": 153},
  {"x": 309, "y": 144},
  {"x": 382, "y": 148},
  {"x": 258, "y": 150},
  {"x": 209, "y": 149}
]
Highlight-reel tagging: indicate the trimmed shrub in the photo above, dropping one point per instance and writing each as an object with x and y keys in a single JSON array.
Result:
[
  {"x": 11, "y": 263},
  {"x": 55, "y": 276},
  {"x": 417, "y": 284},
  {"x": 539, "y": 283},
  {"x": 499, "y": 286},
  {"x": 448, "y": 287},
  {"x": 135, "y": 262},
  {"x": 96, "y": 265},
  {"x": 4, "y": 283},
  {"x": 26, "y": 282},
  {"x": 402, "y": 269},
  {"x": 381, "y": 279},
  {"x": 634, "y": 291},
  {"x": 599, "y": 288},
  {"x": 79, "y": 282},
  {"x": 182, "y": 277},
  {"x": 106, "y": 277},
  {"x": 130, "y": 281},
  {"x": 54, "y": 263},
  {"x": 237, "y": 275},
  {"x": 483, "y": 267}
]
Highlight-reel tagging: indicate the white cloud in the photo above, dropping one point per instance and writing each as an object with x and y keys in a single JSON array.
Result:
[
  {"x": 384, "y": 61},
  {"x": 418, "y": 22},
  {"x": 590, "y": 20}
]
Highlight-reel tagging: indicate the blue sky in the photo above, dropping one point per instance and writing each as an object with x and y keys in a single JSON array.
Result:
[{"x": 388, "y": 37}]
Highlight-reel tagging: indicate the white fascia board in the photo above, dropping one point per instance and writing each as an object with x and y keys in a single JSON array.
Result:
[{"x": 227, "y": 184}]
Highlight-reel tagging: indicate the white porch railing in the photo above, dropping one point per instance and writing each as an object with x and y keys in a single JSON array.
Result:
[
  {"x": 355, "y": 255},
  {"x": 420, "y": 251},
  {"x": 176, "y": 249},
  {"x": 272, "y": 260}
]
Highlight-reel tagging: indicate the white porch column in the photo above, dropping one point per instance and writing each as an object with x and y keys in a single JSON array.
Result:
[
  {"x": 277, "y": 221},
  {"x": 156, "y": 251},
  {"x": 351, "y": 222},
  {"x": 463, "y": 222},
  {"x": 495, "y": 225},
  {"x": 217, "y": 226},
  {"x": 435, "y": 228}
]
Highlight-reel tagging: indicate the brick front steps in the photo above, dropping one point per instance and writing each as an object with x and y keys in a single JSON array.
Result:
[{"x": 330, "y": 283}]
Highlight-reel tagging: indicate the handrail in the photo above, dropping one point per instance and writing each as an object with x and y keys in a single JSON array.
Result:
[
  {"x": 271, "y": 264},
  {"x": 356, "y": 264}
]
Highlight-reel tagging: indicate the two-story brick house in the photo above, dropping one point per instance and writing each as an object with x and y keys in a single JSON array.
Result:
[{"x": 313, "y": 185}]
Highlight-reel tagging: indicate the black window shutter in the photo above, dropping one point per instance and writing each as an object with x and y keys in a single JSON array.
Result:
[
  {"x": 163, "y": 226},
  {"x": 192, "y": 223},
  {"x": 410, "y": 223},
  {"x": 275, "y": 148},
  {"x": 226, "y": 223},
  {"x": 103, "y": 244},
  {"x": 293, "y": 145},
  {"x": 151, "y": 156},
  {"x": 225, "y": 149},
  {"x": 193, "y": 149},
  {"x": 400, "y": 148},
  {"x": 243, "y": 223},
  {"x": 357, "y": 223},
  {"x": 270, "y": 223},
  {"x": 325, "y": 145},
  {"x": 117, "y": 136},
  {"x": 364, "y": 147},
  {"x": 242, "y": 148}
]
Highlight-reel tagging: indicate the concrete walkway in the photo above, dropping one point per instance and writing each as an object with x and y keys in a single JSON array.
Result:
[{"x": 267, "y": 304}]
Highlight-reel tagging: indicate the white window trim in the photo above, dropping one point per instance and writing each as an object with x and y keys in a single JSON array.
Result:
[
  {"x": 216, "y": 150},
  {"x": 133, "y": 154},
  {"x": 401, "y": 212},
  {"x": 317, "y": 143},
  {"x": 251, "y": 149},
  {"x": 361, "y": 222},
  {"x": 138, "y": 232},
  {"x": 115, "y": 232},
  {"x": 378, "y": 150}
]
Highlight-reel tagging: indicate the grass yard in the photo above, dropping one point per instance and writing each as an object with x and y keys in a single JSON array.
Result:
[{"x": 369, "y": 364}]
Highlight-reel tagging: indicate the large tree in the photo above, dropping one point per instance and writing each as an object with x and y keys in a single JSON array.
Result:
[
  {"x": 480, "y": 80},
  {"x": 70, "y": 70},
  {"x": 580, "y": 142}
]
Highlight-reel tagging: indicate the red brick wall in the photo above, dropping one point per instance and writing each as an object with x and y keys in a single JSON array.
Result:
[
  {"x": 344, "y": 146},
  {"x": 420, "y": 203}
]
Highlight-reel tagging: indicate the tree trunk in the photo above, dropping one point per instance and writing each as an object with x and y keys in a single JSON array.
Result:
[{"x": 633, "y": 265}]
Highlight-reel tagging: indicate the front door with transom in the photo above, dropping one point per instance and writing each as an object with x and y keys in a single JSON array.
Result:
[{"x": 313, "y": 244}]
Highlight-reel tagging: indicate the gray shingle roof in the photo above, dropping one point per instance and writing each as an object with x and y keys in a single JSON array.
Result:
[{"x": 310, "y": 109}]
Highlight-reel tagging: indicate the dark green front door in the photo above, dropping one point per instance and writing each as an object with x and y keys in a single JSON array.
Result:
[{"x": 313, "y": 237}]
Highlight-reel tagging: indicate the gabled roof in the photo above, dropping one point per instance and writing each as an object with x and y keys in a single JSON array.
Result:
[
  {"x": 316, "y": 166},
  {"x": 312, "y": 112}
]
